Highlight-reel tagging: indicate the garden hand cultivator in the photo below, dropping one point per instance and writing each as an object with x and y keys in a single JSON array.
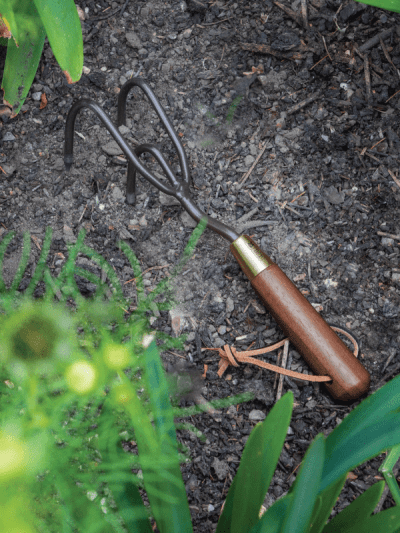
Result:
[{"x": 320, "y": 346}]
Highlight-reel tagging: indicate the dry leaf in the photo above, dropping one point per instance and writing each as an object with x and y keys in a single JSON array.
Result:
[{"x": 43, "y": 101}]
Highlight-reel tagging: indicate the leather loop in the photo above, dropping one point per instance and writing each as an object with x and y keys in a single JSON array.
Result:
[{"x": 230, "y": 356}]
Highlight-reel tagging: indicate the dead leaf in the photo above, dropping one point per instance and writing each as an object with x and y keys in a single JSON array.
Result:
[
  {"x": 4, "y": 30},
  {"x": 43, "y": 101}
]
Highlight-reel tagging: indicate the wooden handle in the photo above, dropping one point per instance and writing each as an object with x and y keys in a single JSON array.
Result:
[{"x": 321, "y": 348}]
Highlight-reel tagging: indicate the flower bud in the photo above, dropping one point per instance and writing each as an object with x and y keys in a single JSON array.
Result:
[
  {"x": 81, "y": 377},
  {"x": 13, "y": 457},
  {"x": 116, "y": 356}
]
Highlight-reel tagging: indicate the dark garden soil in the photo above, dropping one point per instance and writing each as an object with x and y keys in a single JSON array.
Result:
[{"x": 292, "y": 135}]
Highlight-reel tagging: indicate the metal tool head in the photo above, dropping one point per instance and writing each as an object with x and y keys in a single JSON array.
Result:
[{"x": 177, "y": 187}]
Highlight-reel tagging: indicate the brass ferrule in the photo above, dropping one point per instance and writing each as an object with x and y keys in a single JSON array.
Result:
[{"x": 250, "y": 257}]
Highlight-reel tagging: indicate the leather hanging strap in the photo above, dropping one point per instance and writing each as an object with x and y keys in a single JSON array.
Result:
[{"x": 230, "y": 356}]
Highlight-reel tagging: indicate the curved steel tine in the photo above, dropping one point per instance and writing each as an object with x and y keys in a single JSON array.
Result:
[
  {"x": 131, "y": 178},
  {"x": 132, "y": 158},
  {"x": 123, "y": 94}
]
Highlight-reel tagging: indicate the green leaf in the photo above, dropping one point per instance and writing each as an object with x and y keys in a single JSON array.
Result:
[
  {"x": 272, "y": 520},
  {"x": 130, "y": 507},
  {"x": 383, "y": 401},
  {"x": 23, "y": 50},
  {"x": 390, "y": 5},
  {"x": 359, "y": 510},
  {"x": 305, "y": 491},
  {"x": 63, "y": 27},
  {"x": 257, "y": 466},
  {"x": 385, "y": 521},
  {"x": 328, "y": 498},
  {"x": 360, "y": 446}
]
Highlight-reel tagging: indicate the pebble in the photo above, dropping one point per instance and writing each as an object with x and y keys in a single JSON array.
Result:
[
  {"x": 221, "y": 468},
  {"x": 133, "y": 39},
  {"x": 117, "y": 194},
  {"x": 112, "y": 148},
  {"x": 334, "y": 196},
  {"x": 37, "y": 96},
  {"x": 249, "y": 160},
  {"x": 257, "y": 415},
  {"x": 124, "y": 129},
  {"x": 8, "y": 136},
  {"x": 166, "y": 199},
  {"x": 187, "y": 220}
]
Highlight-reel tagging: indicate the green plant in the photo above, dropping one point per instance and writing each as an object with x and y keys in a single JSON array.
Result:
[
  {"x": 77, "y": 382},
  {"x": 24, "y": 25}
]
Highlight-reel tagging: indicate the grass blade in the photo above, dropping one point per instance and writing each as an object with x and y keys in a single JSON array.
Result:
[
  {"x": 3, "y": 247},
  {"x": 26, "y": 250}
]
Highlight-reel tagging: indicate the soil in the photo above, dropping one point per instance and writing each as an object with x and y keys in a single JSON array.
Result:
[{"x": 292, "y": 133}]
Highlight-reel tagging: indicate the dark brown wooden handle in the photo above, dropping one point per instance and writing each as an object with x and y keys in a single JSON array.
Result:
[{"x": 321, "y": 348}]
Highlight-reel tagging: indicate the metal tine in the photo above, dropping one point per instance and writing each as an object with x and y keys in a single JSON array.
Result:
[
  {"x": 131, "y": 178},
  {"x": 122, "y": 97},
  {"x": 133, "y": 159}
]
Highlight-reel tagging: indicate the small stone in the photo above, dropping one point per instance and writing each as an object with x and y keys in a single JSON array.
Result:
[
  {"x": 58, "y": 163},
  {"x": 124, "y": 129},
  {"x": 37, "y": 96},
  {"x": 249, "y": 160},
  {"x": 69, "y": 235},
  {"x": 257, "y": 415},
  {"x": 187, "y": 220},
  {"x": 9, "y": 169},
  {"x": 143, "y": 221},
  {"x": 166, "y": 199},
  {"x": 178, "y": 320},
  {"x": 210, "y": 508},
  {"x": 334, "y": 196},
  {"x": 8, "y": 136},
  {"x": 221, "y": 468},
  {"x": 117, "y": 194},
  {"x": 230, "y": 305},
  {"x": 112, "y": 148},
  {"x": 133, "y": 39}
]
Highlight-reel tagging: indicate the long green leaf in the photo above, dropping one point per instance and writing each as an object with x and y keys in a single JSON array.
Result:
[
  {"x": 361, "y": 446},
  {"x": 299, "y": 514},
  {"x": 272, "y": 520},
  {"x": 390, "y": 5},
  {"x": 384, "y": 522},
  {"x": 63, "y": 27},
  {"x": 172, "y": 514},
  {"x": 23, "y": 50},
  {"x": 130, "y": 507},
  {"x": 328, "y": 497},
  {"x": 375, "y": 407},
  {"x": 358, "y": 511},
  {"x": 257, "y": 466}
]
